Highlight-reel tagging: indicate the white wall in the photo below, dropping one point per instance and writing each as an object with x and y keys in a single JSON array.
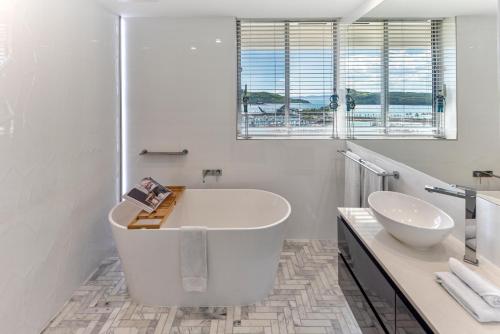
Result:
[
  {"x": 478, "y": 144},
  {"x": 179, "y": 98},
  {"x": 58, "y": 176}
]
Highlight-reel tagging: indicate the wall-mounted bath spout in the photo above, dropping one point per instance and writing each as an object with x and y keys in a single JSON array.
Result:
[
  {"x": 211, "y": 172},
  {"x": 469, "y": 195}
]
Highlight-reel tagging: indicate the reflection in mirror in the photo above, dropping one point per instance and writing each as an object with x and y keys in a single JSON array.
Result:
[
  {"x": 435, "y": 97},
  {"x": 400, "y": 77}
]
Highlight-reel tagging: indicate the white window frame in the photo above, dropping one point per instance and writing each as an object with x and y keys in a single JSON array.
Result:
[{"x": 340, "y": 119}]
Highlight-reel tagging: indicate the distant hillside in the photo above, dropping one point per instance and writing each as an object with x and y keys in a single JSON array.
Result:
[
  {"x": 395, "y": 98},
  {"x": 266, "y": 97}
]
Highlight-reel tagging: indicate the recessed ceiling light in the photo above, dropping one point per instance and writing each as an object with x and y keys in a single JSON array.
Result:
[
  {"x": 193, "y": 48},
  {"x": 132, "y": 1},
  {"x": 218, "y": 40}
]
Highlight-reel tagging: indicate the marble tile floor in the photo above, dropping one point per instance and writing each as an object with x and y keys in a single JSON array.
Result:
[{"x": 306, "y": 299}]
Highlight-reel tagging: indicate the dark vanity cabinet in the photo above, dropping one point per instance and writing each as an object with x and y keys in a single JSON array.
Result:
[{"x": 376, "y": 302}]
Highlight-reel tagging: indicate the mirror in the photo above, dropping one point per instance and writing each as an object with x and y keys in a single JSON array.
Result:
[{"x": 475, "y": 98}]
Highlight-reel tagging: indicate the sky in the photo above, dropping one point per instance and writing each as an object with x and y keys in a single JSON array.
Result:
[
  {"x": 311, "y": 71},
  {"x": 360, "y": 49}
]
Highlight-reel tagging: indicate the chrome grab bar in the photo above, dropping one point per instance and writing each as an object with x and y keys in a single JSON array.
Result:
[
  {"x": 183, "y": 152},
  {"x": 362, "y": 162}
]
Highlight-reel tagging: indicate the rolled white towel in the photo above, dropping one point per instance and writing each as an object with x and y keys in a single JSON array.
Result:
[
  {"x": 484, "y": 288},
  {"x": 464, "y": 295}
]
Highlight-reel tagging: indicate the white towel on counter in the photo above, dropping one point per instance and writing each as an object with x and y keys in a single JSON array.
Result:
[
  {"x": 352, "y": 182},
  {"x": 371, "y": 182},
  {"x": 193, "y": 258},
  {"x": 484, "y": 288},
  {"x": 470, "y": 300}
]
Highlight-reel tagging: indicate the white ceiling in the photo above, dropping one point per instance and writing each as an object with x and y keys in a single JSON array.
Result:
[
  {"x": 299, "y": 8},
  {"x": 237, "y": 8},
  {"x": 433, "y": 8}
]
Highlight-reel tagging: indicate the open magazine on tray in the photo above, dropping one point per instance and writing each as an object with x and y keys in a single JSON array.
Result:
[{"x": 148, "y": 194}]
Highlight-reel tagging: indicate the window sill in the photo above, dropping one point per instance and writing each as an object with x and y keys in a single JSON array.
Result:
[
  {"x": 355, "y": 138},
  {"x": 287, "y": 137}
]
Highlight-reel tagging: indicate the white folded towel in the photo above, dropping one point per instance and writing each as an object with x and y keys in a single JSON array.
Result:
[
  {"x": 484, "y": 288},
  {"x": 352, "y": 181},
  {"x": 471, "y": 301},
  {"x": 371, "y": 182},
  {"x": 193, "y": 258}
]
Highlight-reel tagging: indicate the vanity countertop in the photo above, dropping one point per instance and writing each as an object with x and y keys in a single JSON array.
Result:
[
  {"x": 412, "y": 271},
  {"x": 491, "y": 196}
]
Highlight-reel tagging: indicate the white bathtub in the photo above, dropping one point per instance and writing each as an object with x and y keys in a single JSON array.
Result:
[{"x": 245, "y": 236}]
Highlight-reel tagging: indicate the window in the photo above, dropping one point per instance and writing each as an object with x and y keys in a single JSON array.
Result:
[
  {"x": 287, "y": 71},
  {"x": 361, "y": 68},
  {"x": 377, "y": 78},
  {"x": 261, "y": 56}
]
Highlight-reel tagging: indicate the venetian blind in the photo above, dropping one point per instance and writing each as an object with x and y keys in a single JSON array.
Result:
[
  {"x": 361, "y": 68},
  {"x": 261, "y": 67},
  {"x": 288, "y": 71},
  {"x": 399, "y": 74}
]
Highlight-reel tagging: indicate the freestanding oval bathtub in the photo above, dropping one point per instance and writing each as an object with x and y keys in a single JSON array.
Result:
[{"x": 244, "y": 239}]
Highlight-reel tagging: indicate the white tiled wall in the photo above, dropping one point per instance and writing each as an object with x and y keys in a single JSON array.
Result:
[
  {"x": 182, "y": 98},
  {"x": 58, "y": 174}
]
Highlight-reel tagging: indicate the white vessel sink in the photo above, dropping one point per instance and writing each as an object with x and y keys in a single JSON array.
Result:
[{"x": 410, "y": 219}]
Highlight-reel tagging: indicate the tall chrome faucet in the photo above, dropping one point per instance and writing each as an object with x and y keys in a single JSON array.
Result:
[{"x": 469, "y": 195}]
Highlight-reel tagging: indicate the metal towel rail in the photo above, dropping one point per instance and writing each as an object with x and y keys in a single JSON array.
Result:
[
  {"x": 183, "y": 152},
  {"x": 362, "y": 162}
]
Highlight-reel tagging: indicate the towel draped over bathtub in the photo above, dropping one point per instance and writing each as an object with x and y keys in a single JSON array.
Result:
[{"x": 193, "y": 258}]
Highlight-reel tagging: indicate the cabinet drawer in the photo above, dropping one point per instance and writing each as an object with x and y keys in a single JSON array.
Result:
[
  {"x": 361, "y": 309},
  {"x": 380, "y": 294},
  {"x": 377, "y": 289},
  {"x": 406, "y": 322}
]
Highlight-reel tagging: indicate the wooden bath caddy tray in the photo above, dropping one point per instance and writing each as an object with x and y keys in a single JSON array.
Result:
[{"x": 160, "y": 215}]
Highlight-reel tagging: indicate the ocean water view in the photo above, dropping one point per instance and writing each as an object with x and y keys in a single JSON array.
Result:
[
  {"x": 312, "y": 115},
  {"x": 269, "y": 114}
]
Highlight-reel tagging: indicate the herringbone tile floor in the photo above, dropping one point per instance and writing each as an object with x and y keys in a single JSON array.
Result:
[{"x": 306, "y": 299}]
